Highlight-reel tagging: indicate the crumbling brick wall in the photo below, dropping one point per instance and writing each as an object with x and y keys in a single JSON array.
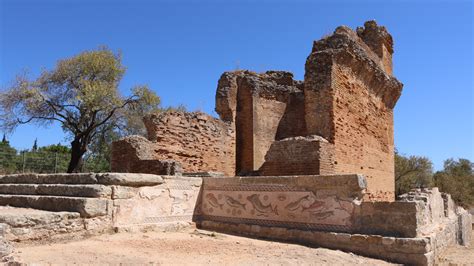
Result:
[
  {"x": 198, "y": 141},
  {"x": 177, "y": 142},
  {"x": 349, "y": 100},
  {"x": 299, "y": 156},
  {"x": 136, "y": 154}
]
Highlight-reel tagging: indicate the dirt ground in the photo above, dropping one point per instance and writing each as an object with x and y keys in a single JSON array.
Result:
[
  {"x": 198, "y": 247},
  {"x": 458, "y": 255},
  {"x": 190, "y": 247}
]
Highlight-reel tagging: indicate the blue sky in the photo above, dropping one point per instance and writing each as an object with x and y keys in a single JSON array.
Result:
[{"x": 180, "y": 48}]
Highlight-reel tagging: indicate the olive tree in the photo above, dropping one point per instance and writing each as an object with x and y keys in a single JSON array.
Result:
[
  {"x": 81, "y": 93},
  {"x": 412, "y": 172},
  {"x": 457, "y": 179}
]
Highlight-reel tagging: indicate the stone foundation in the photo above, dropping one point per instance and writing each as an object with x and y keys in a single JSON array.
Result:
[
  {"x": 317, "y": 210},
  {"x": 56, "y": 206},
  {"x": 328, "y": 211}
]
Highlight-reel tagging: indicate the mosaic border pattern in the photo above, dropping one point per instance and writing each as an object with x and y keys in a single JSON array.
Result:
[
  {"x": 273, "y": 223},
  {"x": 253, "y": 187}
]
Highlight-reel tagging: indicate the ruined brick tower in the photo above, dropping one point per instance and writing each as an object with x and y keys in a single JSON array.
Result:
[
  {"x": 339, "y": 120},
  {"x": 350, "y": 94}
]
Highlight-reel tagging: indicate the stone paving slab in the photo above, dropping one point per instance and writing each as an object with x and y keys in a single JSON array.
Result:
[
  {"x": 83, "y": 190},
  {"x": 87, "y": 207},
  {"x": 123, "y": 179},
  {"x": 25, "y": 217}
]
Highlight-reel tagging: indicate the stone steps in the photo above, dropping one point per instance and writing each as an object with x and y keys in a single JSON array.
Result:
[
  {"x": 120, "y": 179},
  {"x": 87, "y": 207},
  {"x": 84, "y": 193},
  {"x": 68, "y": 190}
]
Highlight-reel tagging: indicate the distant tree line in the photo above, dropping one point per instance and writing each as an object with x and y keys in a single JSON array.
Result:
[
  {"x": 456, "y": 178},
  {"x": 47, "y": 159}
]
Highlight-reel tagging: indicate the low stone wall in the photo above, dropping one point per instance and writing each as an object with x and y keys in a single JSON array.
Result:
[
  {"x": 170, "y": 204},
  {"x": 328, "y": 211},
  {"x": 323, "y": 203},
  {"x": 56, "y": 206},
  {"x": 325, "y": 211}
]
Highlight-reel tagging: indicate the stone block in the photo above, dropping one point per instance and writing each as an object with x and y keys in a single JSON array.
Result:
[
  {"x": 76, "y": 178},
  {"x": 157, "y": 167},
  {"x": 464, "y": 232},
  {"x": 87, "y": 207},
  {"x": 71, "y": 190},
  {"x": 129, "y": 179}
]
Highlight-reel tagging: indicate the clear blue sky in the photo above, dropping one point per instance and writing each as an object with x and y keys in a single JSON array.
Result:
[{"x": 180, "y": 49}]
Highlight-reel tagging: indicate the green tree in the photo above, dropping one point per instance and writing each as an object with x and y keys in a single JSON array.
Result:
[
  {"x": 35, "y": 146},
  {"x": 55, "y": 148},
  {"x": 412, "y": 172},
  {"x": 457, "y": 179},
  {"x": 81, "y": 93},
  {"x": 8, "y": 157}
]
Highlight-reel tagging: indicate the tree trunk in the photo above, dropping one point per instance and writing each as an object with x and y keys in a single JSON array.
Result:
[{"x": 77, "y": 150}]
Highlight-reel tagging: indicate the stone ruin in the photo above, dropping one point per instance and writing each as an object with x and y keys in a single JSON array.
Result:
[
  {"x": 304, "y": 161},
  {"x": 339, "y": 120}
]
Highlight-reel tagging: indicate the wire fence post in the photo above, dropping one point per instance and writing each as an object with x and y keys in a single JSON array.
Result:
[
  {"x": 23, "y": 155},
  {"x": 55, "y": 162}
]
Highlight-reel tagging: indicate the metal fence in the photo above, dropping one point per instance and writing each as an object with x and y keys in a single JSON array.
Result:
[{"x": 45, "y": 162}]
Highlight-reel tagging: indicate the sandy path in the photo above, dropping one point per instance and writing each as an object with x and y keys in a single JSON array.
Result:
[{"x": 183, "y": 248}]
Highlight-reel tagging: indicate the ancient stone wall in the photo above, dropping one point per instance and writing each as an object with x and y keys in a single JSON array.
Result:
[
  {"x": 53, "y": 206},
  {"x": 199, "y": 142},
  {"x": 349, "y": 100},
  {"x": 328, "y": 211},
  {"x": 268, "y": 121},
  {"x": 177, "y": 142},
  {"x": 135, "y": 154},
  {"x": 323, "y": 203}
]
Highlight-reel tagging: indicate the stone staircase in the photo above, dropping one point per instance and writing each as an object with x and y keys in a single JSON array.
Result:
[
  {"x": 43, "y": 206},
  {"x": 87, "y": 194}
]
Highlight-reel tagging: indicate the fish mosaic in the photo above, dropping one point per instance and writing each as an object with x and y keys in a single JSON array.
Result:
[
  {"x": 260, "y": 207},
  {"x": 213, "y": 201},
  {"x": 291, "y": 206},
  {"x": 316, "y": 205},
  {"x": 234, "y": 203}
]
